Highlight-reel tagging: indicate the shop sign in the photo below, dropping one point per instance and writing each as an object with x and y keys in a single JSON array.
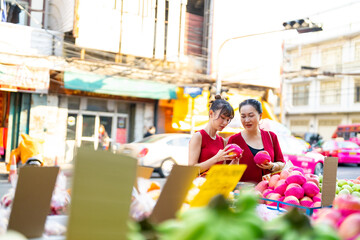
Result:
[
  {"x": 221, "y": 179},
  {"x": 193, "y": 91},
  {"x": 71, "y": 121},
  {"x": 18, "y": 78}
]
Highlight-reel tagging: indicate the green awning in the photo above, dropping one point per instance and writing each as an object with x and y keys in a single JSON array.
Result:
[{"x": 119, "y": 86}]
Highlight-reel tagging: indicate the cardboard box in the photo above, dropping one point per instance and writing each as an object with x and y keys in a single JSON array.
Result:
[
  {"x": 329, "y": 181},
  {"x": 32, "y": 199},
  {"x": 144, "y": 172},
  {"x": 101, "y": 195},
  {"x": 173, "y": 193}
]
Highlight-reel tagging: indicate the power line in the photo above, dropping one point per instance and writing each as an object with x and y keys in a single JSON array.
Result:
[
  {"x": 333, "y": 9},
  {"x": 106, "y": 54}
]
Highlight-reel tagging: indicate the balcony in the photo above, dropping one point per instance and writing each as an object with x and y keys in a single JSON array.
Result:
[{"x": 29, "y": 41}]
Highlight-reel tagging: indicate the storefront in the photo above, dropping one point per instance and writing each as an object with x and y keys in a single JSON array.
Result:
[
  {"x": 86, "y": 115},
  {"x": 4, "y": 121},
  {"x": 17, "y": 84},
  {"x": 86, "y": 102}
]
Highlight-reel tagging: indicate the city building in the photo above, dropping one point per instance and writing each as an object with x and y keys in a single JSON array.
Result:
[
  {"x": 119, "y": 69},
  {"x": 70, "y": 66},
  {"x": 321, "y": 83}
]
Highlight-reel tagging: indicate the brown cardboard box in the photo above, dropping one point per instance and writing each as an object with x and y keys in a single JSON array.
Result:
[
  {"x": 329, "y": 181},
  {"x": 101, "y": 195},
  {"x": 32, "y": 199},
  {"x": 174, "y": 192},
  {"x": 144, "y": 172}
]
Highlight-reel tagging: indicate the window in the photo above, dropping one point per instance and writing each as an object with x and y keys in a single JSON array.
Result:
[
  {"x": 123, "y": 107},
  {"x": 14, "y": 14},
  {"x": 329, "y": 122},
  {"x": 71, "y": 127},
  {"x": 97, "y": 105},
  {"x": 179, "y": 142},
  {"x": 331, "y": 58},
  {"x": 357, "y": 51},
  {"x": 357, "y": 91},
  {"x": 300, "y": 58},
  {"x": 166, "y": 24},
  {"x": 347, "y": 145},
  {"x": 299, "y": 122},
  {"x": 330, "y": 92},
  {"x": 328, "y": 146},
  {"x": 300, "y": 94},
  {"x": 152, "y": 139},
  {"x": 73, "y": 103},
  {"x": 355, "y": 120}
]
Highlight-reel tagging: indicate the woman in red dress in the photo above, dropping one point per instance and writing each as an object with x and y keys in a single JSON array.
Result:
[
  {"x": 206, "y": 147},
  {"x": 252, "y": 140}
]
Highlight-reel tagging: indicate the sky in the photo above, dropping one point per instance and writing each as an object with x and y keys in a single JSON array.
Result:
[
  {"x": 259, "y": 58},
  {"x": 263, "y": 14}
]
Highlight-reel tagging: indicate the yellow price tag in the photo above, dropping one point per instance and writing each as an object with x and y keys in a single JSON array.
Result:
[{"x": 221, "y": 179}]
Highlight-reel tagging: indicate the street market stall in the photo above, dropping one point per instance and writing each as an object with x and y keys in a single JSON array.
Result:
[{"x": 285, "y": 205}]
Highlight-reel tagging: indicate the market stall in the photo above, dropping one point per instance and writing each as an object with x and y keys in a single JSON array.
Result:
[{"x": 111, "y": 204}]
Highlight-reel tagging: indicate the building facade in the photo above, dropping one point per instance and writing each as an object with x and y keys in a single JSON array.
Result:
[
  {"x": 119, "y": 69},
  {"x": 321, "y": 85}
]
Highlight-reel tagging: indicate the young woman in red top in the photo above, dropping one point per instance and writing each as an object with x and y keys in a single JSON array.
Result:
[
  {"x": 206, "y": 148},
  {"x": 252, "y": 140}
]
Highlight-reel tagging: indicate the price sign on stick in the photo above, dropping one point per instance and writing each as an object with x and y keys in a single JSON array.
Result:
[{"x": 221, "y": 179}]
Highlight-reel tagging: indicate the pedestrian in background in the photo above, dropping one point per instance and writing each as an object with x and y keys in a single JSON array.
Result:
[
  {"x": 104, "y": 140},
  {"x": 206, "y": 147},
  {"x": 151, "y": 131}
]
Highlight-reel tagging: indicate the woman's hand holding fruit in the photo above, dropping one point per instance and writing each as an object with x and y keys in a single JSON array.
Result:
[{"x": 223, "y": 154}]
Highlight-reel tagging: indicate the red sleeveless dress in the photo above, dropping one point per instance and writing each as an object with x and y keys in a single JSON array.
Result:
[{"x": 209, "y": 147}]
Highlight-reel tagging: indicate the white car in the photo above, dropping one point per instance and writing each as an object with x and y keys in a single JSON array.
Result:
[{"x": 160, "y": 151}]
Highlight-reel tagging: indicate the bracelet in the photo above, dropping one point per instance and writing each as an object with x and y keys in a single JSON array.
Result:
[{"x": 273, "y": 167}]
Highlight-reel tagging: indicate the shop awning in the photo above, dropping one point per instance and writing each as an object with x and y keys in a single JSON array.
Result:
[
  {"x": 119, "y": 86},
  {"x": 21, "y": 78}
]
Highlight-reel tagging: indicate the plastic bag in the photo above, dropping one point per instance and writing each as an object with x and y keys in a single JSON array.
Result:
[
  {"x": 6, "y": 200},
  {"x": 267, "y": 213},
  {"x": 143, "y": 200},
  {"x": 4, "y": 219},
  {"x": 61, "y": 198},
  {"x": 53, "y": 228}
]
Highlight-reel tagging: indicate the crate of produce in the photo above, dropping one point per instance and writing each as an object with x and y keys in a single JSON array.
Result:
[{"x": 281, "y": 205}]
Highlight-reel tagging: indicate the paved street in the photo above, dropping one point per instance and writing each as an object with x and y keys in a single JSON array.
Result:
[{"x": 348, "y": 171}]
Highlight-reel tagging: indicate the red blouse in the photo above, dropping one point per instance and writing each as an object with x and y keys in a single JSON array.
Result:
[
  {"x": 253, "y": 173},
  {"x": 209, "y": 147}
]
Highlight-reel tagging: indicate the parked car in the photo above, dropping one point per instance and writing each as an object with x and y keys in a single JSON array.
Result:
[
  {"x": 296, "y": 151},
  {"x": 160, "y": 151},
  {"x": 346, "y": 151}
]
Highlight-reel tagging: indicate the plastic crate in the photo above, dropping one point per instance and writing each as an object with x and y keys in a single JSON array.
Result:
[{"x": 308, "y": 210}]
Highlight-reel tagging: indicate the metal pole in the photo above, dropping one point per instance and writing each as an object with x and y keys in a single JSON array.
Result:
[
  {"x": 218, "y": 77},
  {"x": 192, "y": 116}
]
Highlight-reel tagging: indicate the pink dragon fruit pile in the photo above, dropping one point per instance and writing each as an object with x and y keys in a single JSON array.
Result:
[
  {"x": 291, "y": 186},
  {"x": 344, "y": 216}
]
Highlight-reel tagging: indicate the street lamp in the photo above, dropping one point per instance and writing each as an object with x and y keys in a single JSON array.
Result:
[{"x": 301, "y": 25}]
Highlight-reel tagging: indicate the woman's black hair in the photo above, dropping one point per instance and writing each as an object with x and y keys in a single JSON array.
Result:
[
  {"x": 222, "y": 105},
  {"x": 253, "y": 102}
]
